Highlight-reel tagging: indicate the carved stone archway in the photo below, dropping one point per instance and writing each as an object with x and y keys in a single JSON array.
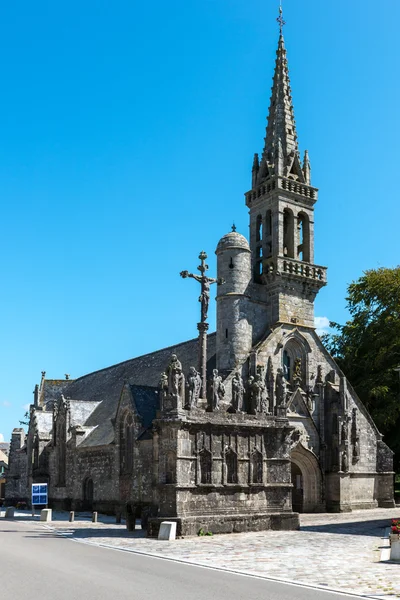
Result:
[{"x": 307, "y": 481}]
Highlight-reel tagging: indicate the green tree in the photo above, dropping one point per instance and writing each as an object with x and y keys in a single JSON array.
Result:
[{"x": 367, "y": 348}]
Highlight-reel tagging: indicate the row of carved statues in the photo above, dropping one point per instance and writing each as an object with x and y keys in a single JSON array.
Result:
[{"x": 256, "y": 395}]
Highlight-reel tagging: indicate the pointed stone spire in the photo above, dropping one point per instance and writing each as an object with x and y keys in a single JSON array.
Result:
[
  {"x": 256, "y": 166},
  {"x": 307, "y": 168},
  {"x": 281, "y": 135}
]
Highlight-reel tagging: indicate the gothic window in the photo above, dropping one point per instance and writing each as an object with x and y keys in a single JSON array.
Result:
[
  {"x": 303, "y": 249},
  {"x": 257, "y": 467},
  {"x": 286, "y": 365},
  {"x": 126, "y": 444},
  {"x": 170, "y": 470},
  {"x": 293, "y": 351},
  {"x": 205, "y": 466},
  {"x": 288, "y": 233},
  {"x": 62, "y": 456},
  {"x": 231, "y": 466}
]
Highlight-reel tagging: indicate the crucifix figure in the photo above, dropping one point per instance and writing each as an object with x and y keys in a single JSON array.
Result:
[
  {"x": 205, "y": 282},
  {"x": 202, "y": 326}
]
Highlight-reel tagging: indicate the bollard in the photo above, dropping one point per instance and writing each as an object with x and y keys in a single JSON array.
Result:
[
  {"x": 9, "y": 512},
  {"x": 94, "y": 517},
  {"x": 46, "y": 514},
  {"x": 118, "y": 518},
  {"x": 72, "y": 516}
]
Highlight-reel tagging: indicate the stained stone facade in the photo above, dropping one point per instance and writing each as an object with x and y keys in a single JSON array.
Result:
[{"x": 237, "y": 430}]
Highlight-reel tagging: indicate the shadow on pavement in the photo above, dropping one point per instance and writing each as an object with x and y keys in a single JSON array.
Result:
[{"x": 369, "y": 528}]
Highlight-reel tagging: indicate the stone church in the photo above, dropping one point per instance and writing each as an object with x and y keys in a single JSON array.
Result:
[{"x": 236, "y": 430}]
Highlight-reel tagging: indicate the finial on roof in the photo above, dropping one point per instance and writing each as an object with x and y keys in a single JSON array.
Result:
[
  {"x": 233, "y": 227},
  {"x": 280, "y": 20},
  {"x": 67, "y": 376}
]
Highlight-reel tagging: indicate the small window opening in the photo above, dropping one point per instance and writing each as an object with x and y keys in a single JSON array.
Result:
[
  {"x": 226, "y": 333},
  {"x": 231, "y": 466},
  {"x": 259, "y": 230},
  {"x": 231, "y": 265}
]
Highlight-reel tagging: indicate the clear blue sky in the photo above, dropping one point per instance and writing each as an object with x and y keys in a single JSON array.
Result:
[{"x": 127, "y": 132}]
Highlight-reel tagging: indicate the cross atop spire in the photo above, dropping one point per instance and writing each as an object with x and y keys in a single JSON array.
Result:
[{"x": 280, "y": 20}]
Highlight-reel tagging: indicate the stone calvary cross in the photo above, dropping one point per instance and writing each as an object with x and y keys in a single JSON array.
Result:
[{"x": 202, "y": 326}]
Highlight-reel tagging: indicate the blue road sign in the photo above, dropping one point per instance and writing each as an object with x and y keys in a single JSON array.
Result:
[{"x": 39, "y": 494}]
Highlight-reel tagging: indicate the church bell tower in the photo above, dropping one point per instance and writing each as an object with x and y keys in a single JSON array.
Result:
[{"x": 281, "y": 203}]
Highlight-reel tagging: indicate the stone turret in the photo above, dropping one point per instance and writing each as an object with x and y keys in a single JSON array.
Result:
[{"x": 234, "y": 330}]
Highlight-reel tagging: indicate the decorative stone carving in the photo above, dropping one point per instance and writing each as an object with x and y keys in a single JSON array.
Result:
[
  {"x": 217, "y": 390},
  {"x": 205, "y": 282},
  {"x": 297, "y": 376},
  {"x": 280, "y": 388},
  {"x": 174, "y": 398},
  {"x": 237, "y": 393},
  {"x": 256, "y": 390},
  {"x": 319, "y": 379},
  {"x": 194, "y": 387}
]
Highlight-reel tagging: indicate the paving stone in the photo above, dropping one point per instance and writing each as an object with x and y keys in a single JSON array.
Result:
[{"x": 334, "y": 551}]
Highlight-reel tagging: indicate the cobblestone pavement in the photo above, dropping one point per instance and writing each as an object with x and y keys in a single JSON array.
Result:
[{"x": 332, "y": 551}]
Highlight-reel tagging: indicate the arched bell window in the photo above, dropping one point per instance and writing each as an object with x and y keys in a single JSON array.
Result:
[
  {"x": 303, "y": 248},
  {"x": 288, "y": 233}
]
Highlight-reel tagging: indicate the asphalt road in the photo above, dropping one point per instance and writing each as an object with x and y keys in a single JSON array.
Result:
[{"x": 37, "y": 565}]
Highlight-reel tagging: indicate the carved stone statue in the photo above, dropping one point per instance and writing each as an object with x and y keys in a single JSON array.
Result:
[
  {"x": 280, "y": 388},
  {"x": 217, "y": 390},
  {"x": 163, "y": 389},
  {"x": 256, "y": 388},
  {"x": 176, "y": 380},
  {"x": 194, "y": 387},
  {"x": 297, "y": 376},
  {"x": 319, "y": 374},
  {"x": 345, "y": 461},
  {"x": 344, "y": 430},
  {"x": 237, "y": 392},
  {"x": 356, "y": 450}
]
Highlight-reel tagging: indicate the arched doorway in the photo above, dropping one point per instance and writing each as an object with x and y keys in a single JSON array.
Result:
[
  {"x": 307, "y": 481},
  {"x": 88, "y": 494}
]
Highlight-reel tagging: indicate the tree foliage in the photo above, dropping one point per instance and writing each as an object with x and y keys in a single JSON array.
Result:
[{"x": 367, "y": 348}]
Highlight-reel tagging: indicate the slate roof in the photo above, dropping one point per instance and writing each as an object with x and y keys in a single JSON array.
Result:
[
  {"x": 44, "y": 421},
  {"x": 142, "y": 373},
  {"x": 80, "y": 411}
]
